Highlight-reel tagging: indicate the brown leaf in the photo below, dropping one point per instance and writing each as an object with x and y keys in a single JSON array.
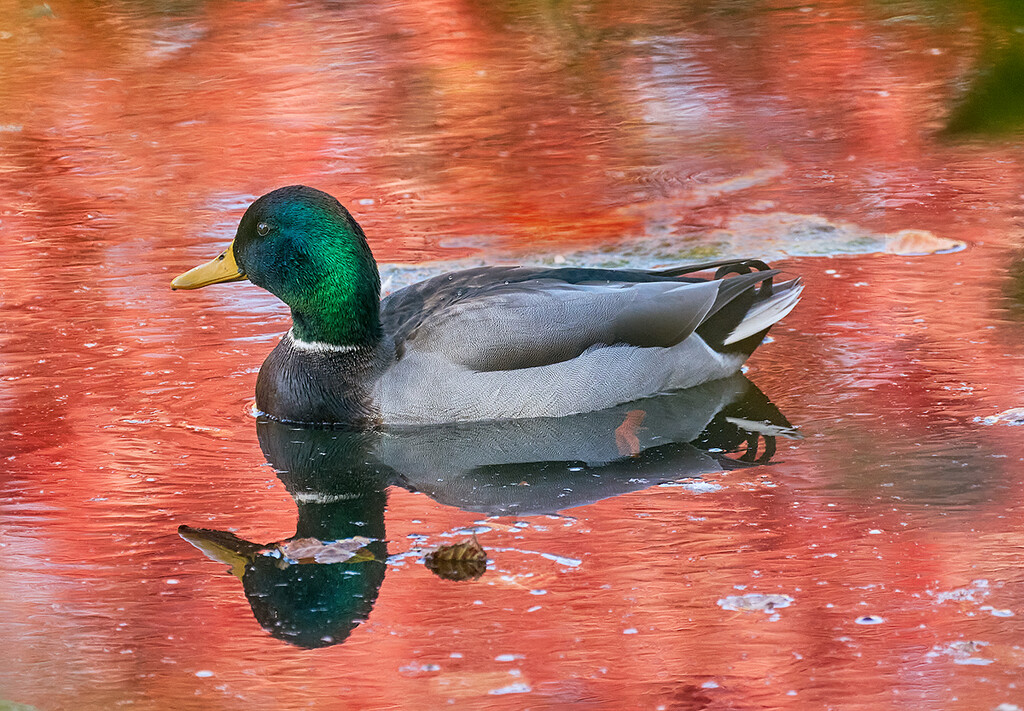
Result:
[
  {"x": 312, "y": 550},
  {"x": 910, "y": 242},
  {"x": 459, "y": 561}
]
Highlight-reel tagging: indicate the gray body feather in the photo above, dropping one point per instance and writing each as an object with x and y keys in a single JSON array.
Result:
[{"x": 504, "y": 342}]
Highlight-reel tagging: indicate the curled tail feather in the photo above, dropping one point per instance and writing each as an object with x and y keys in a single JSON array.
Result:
[{"x": 763, "y": 314}]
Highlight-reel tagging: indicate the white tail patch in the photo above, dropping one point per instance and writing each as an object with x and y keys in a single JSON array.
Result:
[{"x": 764, "y": 314}]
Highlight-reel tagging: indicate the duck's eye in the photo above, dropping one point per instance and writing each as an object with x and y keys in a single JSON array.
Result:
[{"x": 262, "y": 229}]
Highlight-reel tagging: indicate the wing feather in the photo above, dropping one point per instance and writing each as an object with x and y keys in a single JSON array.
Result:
[
  {"x": 505, "y": 318},
  {"x": 501, "y": 319}
]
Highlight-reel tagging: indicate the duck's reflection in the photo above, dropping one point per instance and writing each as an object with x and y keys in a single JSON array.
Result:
[
  {"x": 311, "y": 589},
  {"x": 314, "y": 587}
]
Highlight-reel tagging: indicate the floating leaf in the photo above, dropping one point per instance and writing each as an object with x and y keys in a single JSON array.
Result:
[
  {"x": 312, "y": 550},
  {"x": 460, "y": 561},
  {"x": 912, "y": 242}
]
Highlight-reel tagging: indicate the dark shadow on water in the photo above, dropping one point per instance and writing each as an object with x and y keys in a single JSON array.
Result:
[
  {"x": 993, "y": 103},
  {"x": 313, "y": 588}
]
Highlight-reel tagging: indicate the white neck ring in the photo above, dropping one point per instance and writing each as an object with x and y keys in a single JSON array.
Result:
[{"x": 319, "y": 346}]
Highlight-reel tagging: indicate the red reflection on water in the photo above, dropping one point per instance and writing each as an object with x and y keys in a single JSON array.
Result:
[{"x": 129, "y": 144}]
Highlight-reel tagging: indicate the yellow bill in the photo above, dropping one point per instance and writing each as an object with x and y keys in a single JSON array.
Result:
[{"x": 220, "y": 269}]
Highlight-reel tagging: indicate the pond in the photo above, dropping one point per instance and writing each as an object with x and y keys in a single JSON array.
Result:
[{"x": 840, "y": 527}]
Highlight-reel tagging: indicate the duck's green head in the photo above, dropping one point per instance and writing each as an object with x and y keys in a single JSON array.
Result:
[{"x": 303, "y": 246}]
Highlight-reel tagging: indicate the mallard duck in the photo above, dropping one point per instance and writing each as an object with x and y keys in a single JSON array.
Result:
[{"x": 488, "y": 343}]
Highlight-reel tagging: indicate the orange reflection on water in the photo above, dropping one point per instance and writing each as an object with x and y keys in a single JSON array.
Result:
[{"x": 132, "y": 136}]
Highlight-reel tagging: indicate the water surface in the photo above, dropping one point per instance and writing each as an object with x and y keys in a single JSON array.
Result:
[{"x": 874, "y": 563}]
